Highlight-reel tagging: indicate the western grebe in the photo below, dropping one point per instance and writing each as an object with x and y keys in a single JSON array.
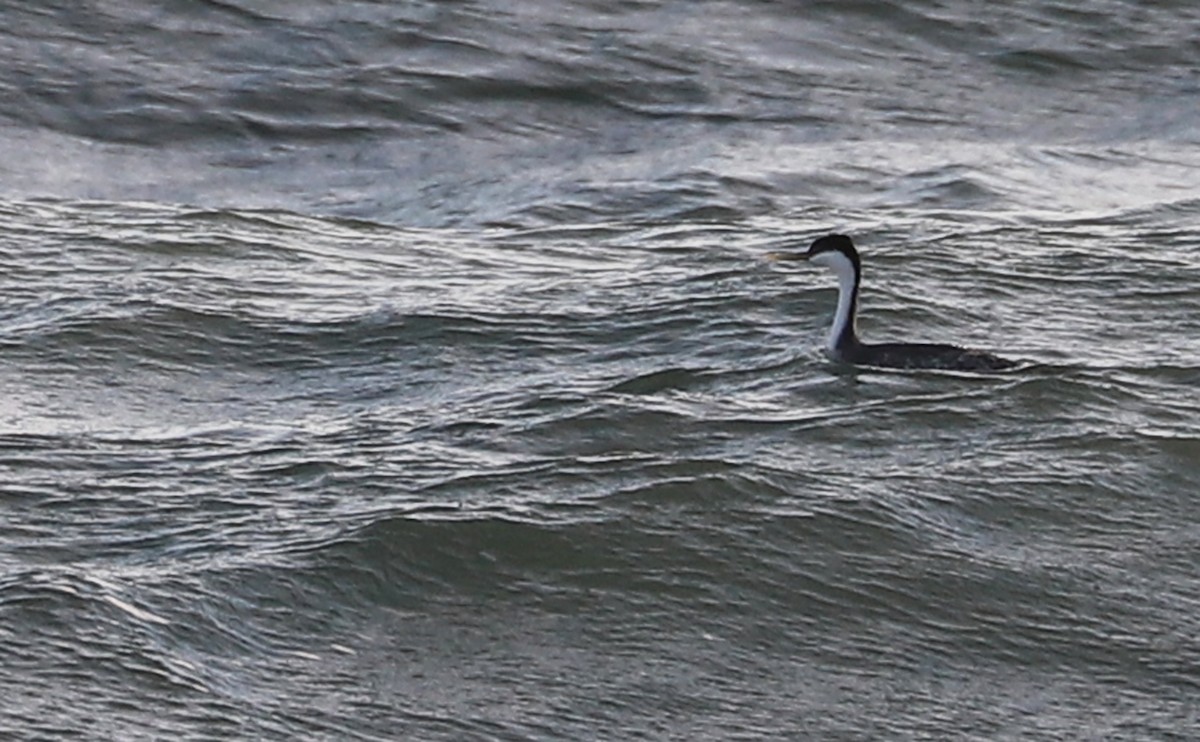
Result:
[{"x": 836, "y": 252}]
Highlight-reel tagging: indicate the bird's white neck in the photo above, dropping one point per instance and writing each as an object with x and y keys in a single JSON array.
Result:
[{"x": 844, "y": 316}]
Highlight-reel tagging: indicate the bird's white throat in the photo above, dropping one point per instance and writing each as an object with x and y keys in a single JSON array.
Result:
[{"x": 846, "y": 276}]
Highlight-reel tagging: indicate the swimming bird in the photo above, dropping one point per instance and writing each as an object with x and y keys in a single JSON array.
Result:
[{"x": 836, "y": 252}]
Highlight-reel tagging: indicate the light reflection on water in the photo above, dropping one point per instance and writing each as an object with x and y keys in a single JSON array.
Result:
[{"x": 425, "y": 378}]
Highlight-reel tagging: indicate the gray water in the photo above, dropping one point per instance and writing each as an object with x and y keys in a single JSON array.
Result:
[{"x": 413, "y": 371}]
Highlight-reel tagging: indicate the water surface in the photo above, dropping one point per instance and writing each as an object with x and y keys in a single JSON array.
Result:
[{"x": 413, "y": 371}]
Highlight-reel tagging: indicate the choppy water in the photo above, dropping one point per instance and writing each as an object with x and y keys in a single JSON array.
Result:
[{"x": 411, "y": 371}]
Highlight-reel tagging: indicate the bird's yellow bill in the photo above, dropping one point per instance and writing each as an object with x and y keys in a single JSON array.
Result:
[{"x": 775, "y": 257}]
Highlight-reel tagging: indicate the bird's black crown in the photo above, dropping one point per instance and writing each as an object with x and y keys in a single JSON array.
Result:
[{"x": 835, "y": 243}]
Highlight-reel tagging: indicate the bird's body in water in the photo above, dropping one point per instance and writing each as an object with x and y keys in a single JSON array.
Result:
[{"x": 837, "y": 253}]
